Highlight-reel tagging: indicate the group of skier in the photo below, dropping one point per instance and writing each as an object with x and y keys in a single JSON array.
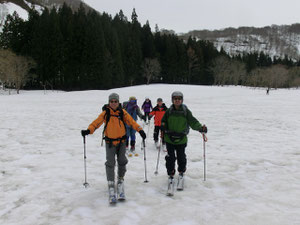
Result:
[{"x": 121, "y": 126}]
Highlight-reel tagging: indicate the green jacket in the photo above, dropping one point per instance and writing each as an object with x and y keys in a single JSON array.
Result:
[{"x": 176, "y": 124}]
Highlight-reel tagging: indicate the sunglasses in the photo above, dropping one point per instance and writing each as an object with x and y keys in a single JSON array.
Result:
[
  {"x": 177, "y": 98},
  {"x": 114, "y": 101}
]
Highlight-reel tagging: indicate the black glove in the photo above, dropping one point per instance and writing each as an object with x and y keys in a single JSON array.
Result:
[
  {"x": 203, "y": 129},
  {"x": 85, "y": 132},
  {"x": 143, "y": 135}
]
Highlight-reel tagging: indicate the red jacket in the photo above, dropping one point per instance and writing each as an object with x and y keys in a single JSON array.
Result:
[{"x": 158, "y": 113}]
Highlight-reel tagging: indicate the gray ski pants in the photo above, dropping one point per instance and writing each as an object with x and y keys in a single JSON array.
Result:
[{"x": 111, "y": 153}]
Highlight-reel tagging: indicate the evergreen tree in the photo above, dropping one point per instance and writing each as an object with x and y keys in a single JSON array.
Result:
[
  {"x": 148, "y": 47},
  {"x": 13, "y": 33}
]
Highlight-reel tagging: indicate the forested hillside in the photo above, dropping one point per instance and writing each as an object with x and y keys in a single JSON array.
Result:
[{"x": 77, "y": 50}]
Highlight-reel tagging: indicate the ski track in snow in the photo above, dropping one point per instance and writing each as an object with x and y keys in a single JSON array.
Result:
[{"x": 252, "y": 155}]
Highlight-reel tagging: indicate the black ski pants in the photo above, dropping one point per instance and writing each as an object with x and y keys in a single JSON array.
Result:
[
  {"x": 156, "y": 133},
  {"x": 175, "y": 152},
  {"x": 147, "y": 116}
]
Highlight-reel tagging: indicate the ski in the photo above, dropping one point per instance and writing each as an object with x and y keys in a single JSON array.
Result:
[
  {"x": 133, "y": 153},
  {"x": 170, "y": 191}
]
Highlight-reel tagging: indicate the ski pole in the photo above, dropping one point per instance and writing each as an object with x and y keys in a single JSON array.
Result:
[
  {"x": 144, "y": 146},
  {"x": 204, "y": 157},
  {"x": 160, "y": 146},
  {"x": 85, "y": 184}
]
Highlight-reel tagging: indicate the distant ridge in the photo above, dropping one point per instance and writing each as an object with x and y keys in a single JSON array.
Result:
[{"x": 273, "y": 40}]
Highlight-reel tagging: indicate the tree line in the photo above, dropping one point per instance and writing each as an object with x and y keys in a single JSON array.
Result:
[{"x": 80, "y": 50}]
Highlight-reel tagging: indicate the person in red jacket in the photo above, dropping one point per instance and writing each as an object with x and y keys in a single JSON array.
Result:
[{"x": 158, "y": 113}]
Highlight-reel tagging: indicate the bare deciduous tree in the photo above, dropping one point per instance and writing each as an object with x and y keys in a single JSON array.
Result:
[
  {"x": 14, "y": 69},
  {"x": 273, "y": 77},
  {"x": 220, "y": 69},
  {"x": 294, "y": 77},
  {"x": 151, "y": 68},
  {"x": 228, "y": 71}
]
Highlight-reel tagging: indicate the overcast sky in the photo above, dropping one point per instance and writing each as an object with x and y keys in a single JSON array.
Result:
[{"x": 186, "y": 15}]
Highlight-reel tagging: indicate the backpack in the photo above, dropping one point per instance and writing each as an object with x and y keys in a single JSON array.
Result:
[
  {"x": 107, "y": 118},
  {"x": 174, "y": 135},
  {"x": 132, "y": 110},
  {"x": 185, "y": 109}
]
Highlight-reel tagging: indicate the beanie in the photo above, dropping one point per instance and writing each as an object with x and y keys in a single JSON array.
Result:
[
  {"x": 177, "y": 94},
  {"x": 113, "y": 96}
]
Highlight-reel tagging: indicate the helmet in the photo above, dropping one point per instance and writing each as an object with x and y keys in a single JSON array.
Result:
[{"x": 177, "y": 94}]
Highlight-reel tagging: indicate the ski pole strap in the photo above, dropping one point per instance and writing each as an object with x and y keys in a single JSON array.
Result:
[{"x": 204, "y": 137}]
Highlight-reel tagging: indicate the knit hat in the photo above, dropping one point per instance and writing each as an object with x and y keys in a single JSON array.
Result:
[
  {"x": 113, "y": 96},
  {"x": 177, "y": 94},
  {"x": 132, "y": 98},
  {"x": 159, "y": 100}
]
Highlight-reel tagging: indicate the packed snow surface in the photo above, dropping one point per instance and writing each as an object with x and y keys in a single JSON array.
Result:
[{"x": 252, "y": 157}]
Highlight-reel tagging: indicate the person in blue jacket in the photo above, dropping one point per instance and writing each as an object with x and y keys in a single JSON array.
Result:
[{"x": 134, "y": 111}]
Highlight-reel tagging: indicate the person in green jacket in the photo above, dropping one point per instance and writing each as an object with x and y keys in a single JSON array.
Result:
[{"x": 175, "y": 125}]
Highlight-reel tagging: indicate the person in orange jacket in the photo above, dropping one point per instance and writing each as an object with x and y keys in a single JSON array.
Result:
[
  {"x": 115, "y": 119},
  {"x": 158, "y": 113}
]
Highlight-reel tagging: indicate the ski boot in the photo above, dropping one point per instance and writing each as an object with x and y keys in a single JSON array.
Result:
[
  {"x": 120, "y": 190},
  {"x": 170, "y": 191},
  {"x": 112, "y": 192},
  {"x": 180, "y": 184}
]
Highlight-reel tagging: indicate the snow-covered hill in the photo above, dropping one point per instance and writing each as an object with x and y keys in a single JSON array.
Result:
[
  {"x": 273, "y": 40},
  {"x": 253, "y": 175},
  {"x": 21, "y": 6},
  {"x": 9, "y": 8}
]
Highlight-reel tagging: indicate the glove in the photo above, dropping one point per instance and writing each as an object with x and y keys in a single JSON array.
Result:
[
  {"x": 85, "y": 132},
  {"x": 144, "y": 118},
  {"x": 143, "y": 135},
  {"x": 203, "y": 129}
]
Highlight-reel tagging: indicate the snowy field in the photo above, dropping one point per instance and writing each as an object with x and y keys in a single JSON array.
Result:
[{"x": 253, "y": 160}]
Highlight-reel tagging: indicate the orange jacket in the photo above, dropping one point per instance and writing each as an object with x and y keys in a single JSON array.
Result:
[
  {"x": 158, "y": 112},
  {"x": 115, "y": 128}
]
